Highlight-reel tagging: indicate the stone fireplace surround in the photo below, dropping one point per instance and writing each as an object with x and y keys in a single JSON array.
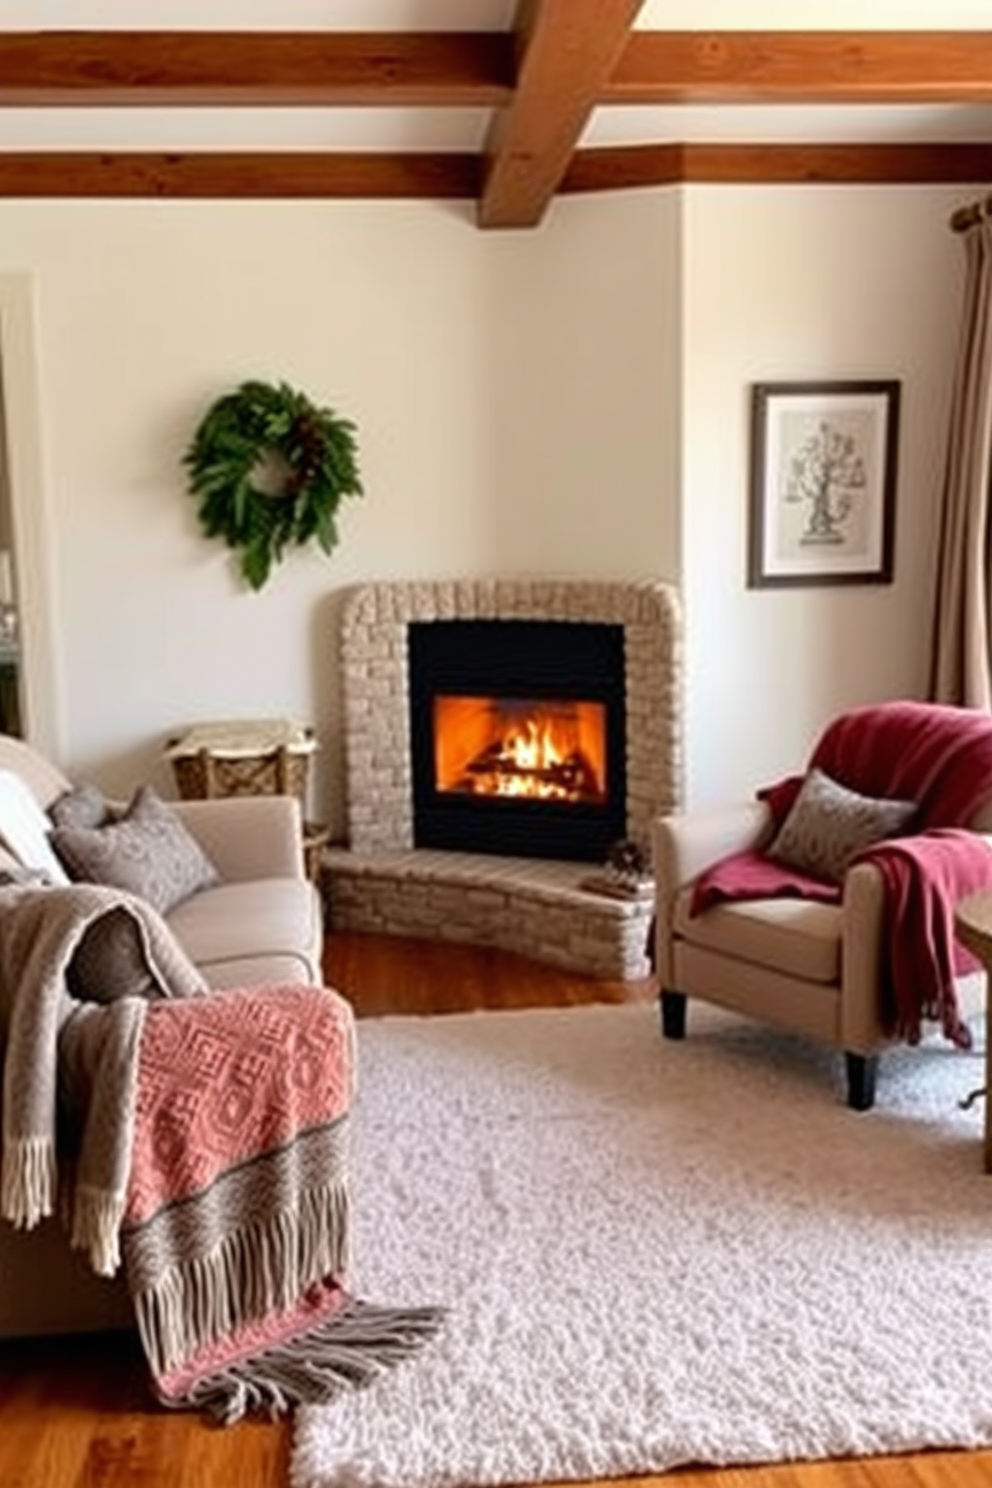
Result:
[{"x": 381, "y": 882}]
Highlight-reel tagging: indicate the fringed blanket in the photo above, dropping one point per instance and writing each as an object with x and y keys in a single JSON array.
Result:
[
  {"x": 940, "y": 757},
  {"x": 925, "y": 876},
  {"x": 67, "y": 1041},
  {"x": 235, "y": 1234},
  {"x": 202, "y": 1136}
]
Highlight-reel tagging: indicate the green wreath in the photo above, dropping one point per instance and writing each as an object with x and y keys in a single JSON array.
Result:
[{"x": 270, "y": 469}]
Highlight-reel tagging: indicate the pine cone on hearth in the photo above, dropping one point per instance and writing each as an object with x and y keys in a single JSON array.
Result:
[{"x": 629, "y": 860}]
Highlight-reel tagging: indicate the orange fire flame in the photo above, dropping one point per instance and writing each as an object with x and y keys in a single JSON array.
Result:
[{"x": 499, "y": 747}]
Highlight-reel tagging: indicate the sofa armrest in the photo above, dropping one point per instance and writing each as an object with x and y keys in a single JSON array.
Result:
[
  {"x": 248, "y": 837},
  {"x": 687, "y": 842}
]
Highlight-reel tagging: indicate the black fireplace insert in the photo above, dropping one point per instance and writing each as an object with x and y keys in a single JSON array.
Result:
[{"x": 518, "y": 732}]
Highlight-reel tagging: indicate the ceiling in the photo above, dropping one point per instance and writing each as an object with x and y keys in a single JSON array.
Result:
[{"x": 506, "y": 103}]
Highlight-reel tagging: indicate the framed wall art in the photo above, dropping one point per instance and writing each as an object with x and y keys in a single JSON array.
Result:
[{"x": 823, "y": 483}]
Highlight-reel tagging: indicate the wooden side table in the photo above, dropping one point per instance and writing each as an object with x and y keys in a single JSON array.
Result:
[{"x": 973, "y": 927}]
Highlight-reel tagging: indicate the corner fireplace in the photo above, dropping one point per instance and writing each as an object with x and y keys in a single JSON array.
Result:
[
  {"x": 531, "y": 728},
  {"x": 518, "y": 737},
  {"x": 640, "y": 617}
]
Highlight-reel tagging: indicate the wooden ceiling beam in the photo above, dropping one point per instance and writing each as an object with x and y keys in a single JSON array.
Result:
[
  {"x": 256, "y": 69},
  {"x": 566, "y": 50},
  {"x": 564, "y": 58},
  {"x": 365, "y": 175},
  {"x": 233, "y": 175},
  {"x": 612, "y": 168},
  {"x": 803, "y": 67},
  {"x": 560, "y": 46}
]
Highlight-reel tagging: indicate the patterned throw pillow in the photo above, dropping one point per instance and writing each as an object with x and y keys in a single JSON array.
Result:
[
  {"x": 829, "y": 824},
  {"x": 147, "y": 851}
]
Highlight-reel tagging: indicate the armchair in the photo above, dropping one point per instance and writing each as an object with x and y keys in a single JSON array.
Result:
[{"x": 820, "y": 966}]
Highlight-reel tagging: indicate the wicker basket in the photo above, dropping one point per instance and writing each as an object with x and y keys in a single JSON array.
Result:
[{"x": 263, "y": 757}]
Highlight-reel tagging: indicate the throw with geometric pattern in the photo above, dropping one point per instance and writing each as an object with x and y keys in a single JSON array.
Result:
[{"x": 236, "y": 1225}]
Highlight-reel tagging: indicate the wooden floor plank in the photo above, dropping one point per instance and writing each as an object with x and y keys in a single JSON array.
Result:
[{"x": 77, "y": 1413}]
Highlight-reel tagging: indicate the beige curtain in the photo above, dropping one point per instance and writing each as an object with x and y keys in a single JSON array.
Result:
[{"x": 960, "y": 670}]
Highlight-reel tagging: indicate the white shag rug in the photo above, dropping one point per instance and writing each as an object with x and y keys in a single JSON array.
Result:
[{"x": 658, "y": 1253}]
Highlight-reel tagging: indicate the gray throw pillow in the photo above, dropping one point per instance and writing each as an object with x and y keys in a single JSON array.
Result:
[
  {"x": 82, "y": 806},
  {"x": 146, "y": 851},
  {"x": 118, "y": 957},
  {"x": 828, "y": 824}
]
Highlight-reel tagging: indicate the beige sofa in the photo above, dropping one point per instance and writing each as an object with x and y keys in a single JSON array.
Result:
[{"x": 261, "y": 923}]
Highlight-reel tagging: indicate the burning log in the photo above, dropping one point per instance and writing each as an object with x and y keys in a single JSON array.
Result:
[{"x": 496, "y": 772}]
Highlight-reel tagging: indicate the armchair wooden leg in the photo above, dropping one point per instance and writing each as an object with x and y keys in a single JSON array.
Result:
[
  {"x": 861, "y": 1072},
  {"x": 672, "y": 1013}
]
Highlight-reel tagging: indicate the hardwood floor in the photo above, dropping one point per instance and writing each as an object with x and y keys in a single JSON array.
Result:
[{"x": 75, "y": 1413}]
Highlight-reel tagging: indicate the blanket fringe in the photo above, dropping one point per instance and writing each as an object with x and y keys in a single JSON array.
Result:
[
  {"x": 252, "y": 1274},
  {"x": 96, "y": 1220},
  {"x": 348, "y": 1351},
  {"x": 27, "y": 1181}
]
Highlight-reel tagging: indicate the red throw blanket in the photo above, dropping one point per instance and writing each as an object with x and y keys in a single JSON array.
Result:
[
  {"x": 235, "y": 1232},
  {"x": 924, "y": 877},
  {"x": 941, "y": 758}
]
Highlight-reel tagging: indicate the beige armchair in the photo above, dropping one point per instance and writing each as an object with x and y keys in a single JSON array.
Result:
[{"x": 810, "y": 967}]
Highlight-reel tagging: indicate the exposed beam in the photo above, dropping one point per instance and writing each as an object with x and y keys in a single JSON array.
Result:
[
  {"x": 566, "y": 50},
  {"x": 459, "y": 69},
  {"x": 286, "y": 68},
  {"x": 364, "y": 175},
  {"x": 618, "y": 167},
  {"x": 913, "y": 164},
  {"x": 282, "y": 174},
  {"x": 564, "y": 58},
  {"x": 803, "y": 67},
  {"x": 612, "y": 168}
]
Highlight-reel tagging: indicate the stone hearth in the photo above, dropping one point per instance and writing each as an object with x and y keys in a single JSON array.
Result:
[{"x": 382, "y": 883}]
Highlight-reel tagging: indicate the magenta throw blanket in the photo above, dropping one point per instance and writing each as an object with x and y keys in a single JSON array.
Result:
[
  {"x": 938, "y": 756},
  {"x": 924, "y": 878},
  {"x": 931, "y": 753}
]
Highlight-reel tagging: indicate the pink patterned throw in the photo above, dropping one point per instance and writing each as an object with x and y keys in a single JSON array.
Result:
[
  {"x": 223, "y": 1080},
  {"x": 235, "y": 1230}
]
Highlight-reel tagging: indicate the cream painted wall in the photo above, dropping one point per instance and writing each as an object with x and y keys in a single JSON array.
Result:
[
  {"x": 571, "y": 400},
  {"x": 792, "y": 284},
  {"x": 587, "y": 355},
  {"x": 514, "y": 396}
]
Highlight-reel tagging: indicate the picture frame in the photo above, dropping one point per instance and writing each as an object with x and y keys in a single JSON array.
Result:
[{"x": 823, "y": 473}]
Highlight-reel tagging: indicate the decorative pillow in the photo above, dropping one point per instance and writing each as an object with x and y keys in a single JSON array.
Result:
[
  {"x": 828, "y": 824},
  {"x": 146, "y": 851},
  {"x": 115, "y": 959},
  {"x": 82, "y": 806}
]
